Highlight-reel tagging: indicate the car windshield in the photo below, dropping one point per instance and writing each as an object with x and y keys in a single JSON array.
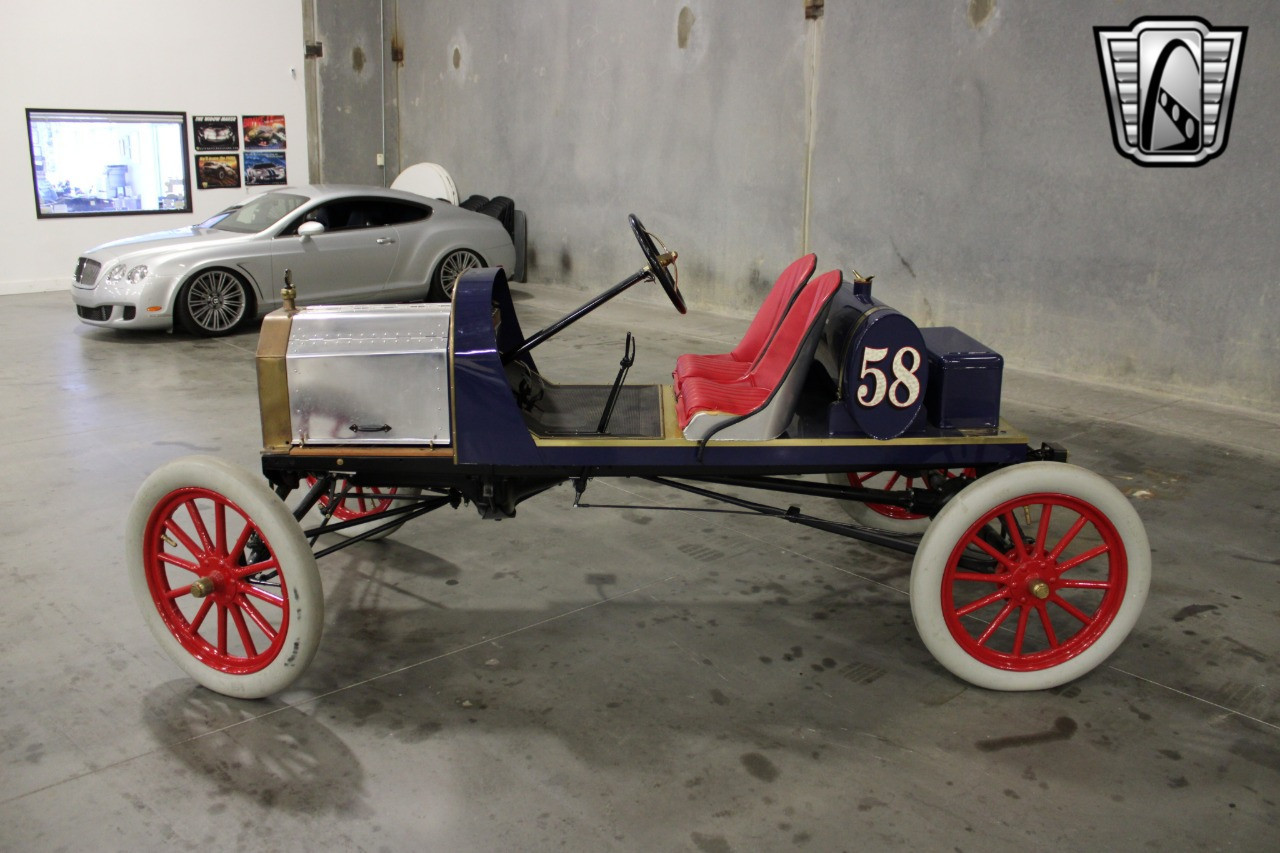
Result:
[
  {"x": 260, "y": 213},
  {"x": 216, "y": 218}
]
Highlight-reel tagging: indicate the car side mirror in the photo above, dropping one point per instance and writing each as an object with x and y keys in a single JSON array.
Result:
[{"x": 309, "y": 229}]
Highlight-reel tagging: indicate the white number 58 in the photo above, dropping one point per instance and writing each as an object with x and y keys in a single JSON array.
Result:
[{"x": 903, "y": 391}]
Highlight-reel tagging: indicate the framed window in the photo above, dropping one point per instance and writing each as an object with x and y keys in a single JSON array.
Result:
[{"x": 99, "y": 162}]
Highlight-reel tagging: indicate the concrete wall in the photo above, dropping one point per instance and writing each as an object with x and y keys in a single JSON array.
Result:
[
  {"x": 240, "y": 57},
  {"x": 584, "y": 112},
  {"x": 959, "y": 149},
  {"x": 969, "y": 162},
  {"x": 355, "y": 91}
]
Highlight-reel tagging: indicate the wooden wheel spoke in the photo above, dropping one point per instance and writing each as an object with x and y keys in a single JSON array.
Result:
[
  {"x": 220, "y": 527},
  {"x": 1068, "y": 537},
  {"x": 265, "y": 566},
  {"x": 243, "y": 540},
  {"x": 985, "y": 601},
  {"x": 1048, "y": 627},
  {"x": 172, "y": 560},
  {"x": 1081, "y": 559},
  {"x": 978, "y": 577},
  {"x": 198, "y": 619},
  {"x": 1020, "y": 633},
  {"x": 201, "y": 530},
  {"x": 171, "y": 526},
  {"x": 250, "y": 650},
  {"x": 1042, "y": 531},
  {"x": 996, "y": 623},
  {"x": 256, "y": 617},
  {"x": 1001, "y": 558},
  {"x": 1070, "y": 584},
  {"x": 1071, "y": 608},
  {"x": 222, "y": 629},
  {"x": 263, "y": 595},
  {"x": 1015, "y": 533}
]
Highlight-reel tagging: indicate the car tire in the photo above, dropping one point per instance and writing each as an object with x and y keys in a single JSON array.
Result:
[
  {"x": 521, "y": 239},
  {"x": 249, "y": 633},
  {"x": 502, "y": 209},
  {"x": 450, "y": 268},
  {"x": 1082, "y": 561},
  {"x": 214, "y": 302},
  {"x": 474, "y": 203}
]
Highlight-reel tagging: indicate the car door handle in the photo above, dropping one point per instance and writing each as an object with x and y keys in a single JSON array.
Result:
[{"x": 385, "y": 241}]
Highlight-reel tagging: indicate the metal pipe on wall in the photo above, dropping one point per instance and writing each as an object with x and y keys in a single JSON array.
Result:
[
  {"x": 382, "y": 68},
  {"x": 813, "y": 50}
]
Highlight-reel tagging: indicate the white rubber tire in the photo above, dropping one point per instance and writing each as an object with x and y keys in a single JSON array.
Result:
[
  {"x": 941, "y": 544},
  {"x": 301, "y": 612}
]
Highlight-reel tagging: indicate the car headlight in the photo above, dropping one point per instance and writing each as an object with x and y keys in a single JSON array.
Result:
[
  {"x": 116, "y": 272},
  {"x": 138, "y": 273}
]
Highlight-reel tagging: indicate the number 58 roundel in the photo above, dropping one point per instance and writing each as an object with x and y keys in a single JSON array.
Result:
[{"x": 885, "y": 372}]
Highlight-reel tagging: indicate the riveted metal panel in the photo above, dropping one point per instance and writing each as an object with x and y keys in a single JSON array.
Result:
[{"x": 369, "y": 374}]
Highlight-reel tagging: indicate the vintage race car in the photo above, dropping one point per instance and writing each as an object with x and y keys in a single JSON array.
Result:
[{"x": 1028, "y": 572}]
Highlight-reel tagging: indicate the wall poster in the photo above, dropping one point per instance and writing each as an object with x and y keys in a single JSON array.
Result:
[
  {"x": 217, "y": 171},
  {"x": 216, "y": 133},
  {"x": 264, "y": 168},
  {"x": 264, "y": 133}
]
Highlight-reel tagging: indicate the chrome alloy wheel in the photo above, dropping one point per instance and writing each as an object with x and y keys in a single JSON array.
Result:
[
  {"x": 214, "y": 303},
  {"x": 453, "y": 266}
]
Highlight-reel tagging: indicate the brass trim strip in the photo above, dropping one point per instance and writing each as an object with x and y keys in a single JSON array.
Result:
[
  {"x": 452, "y": 395},
  {"x": 273, "y": 379},
  {"x": 1005, "y": 435},
  {"x": 350, "y": 452}
]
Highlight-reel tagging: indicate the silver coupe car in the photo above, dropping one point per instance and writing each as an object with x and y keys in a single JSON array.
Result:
[{"x": 342, "y": 243}]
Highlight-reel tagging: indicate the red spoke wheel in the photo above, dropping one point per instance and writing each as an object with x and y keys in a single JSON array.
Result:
[
  {"x": 884, "y": 516},
  {"x": 365, "y": 502},
  {"x": 1030, "y": 577},
  {"x": 224, "y": 577}
]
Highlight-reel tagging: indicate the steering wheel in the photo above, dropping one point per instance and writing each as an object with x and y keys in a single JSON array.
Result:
[{"x": 658, "y": 263}]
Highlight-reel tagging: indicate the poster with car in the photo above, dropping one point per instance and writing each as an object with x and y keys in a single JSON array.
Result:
[
  {"x": 217, "y": 171},
  {"x": 216, "y": 133},
  {"x": 263, "y": 168},
  {"x": 264, "y": 132}
]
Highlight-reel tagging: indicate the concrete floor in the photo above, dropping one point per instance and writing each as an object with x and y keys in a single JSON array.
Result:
[{"x": 607, "y": 679}]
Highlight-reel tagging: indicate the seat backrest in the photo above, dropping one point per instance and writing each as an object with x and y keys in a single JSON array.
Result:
[
  {"x": 359, "y": 218},
  {"x": 320, "y": 215},
  {"x": 805, "y": 309},
  {"x": 765, "y": 324}
]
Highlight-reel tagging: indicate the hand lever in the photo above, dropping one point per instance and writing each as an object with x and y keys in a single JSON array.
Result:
[{"x": 628, "y": 359}]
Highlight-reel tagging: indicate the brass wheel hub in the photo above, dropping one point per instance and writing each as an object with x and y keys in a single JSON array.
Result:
[{"x": 202, "y": 587}]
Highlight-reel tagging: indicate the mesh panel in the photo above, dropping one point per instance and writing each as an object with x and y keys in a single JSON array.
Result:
[{"x": 576, "y": 410}]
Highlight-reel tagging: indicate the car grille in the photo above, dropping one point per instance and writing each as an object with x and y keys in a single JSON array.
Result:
[
  {"x": 87, "y": 271},
  {"x": 101, "y": 314}
]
